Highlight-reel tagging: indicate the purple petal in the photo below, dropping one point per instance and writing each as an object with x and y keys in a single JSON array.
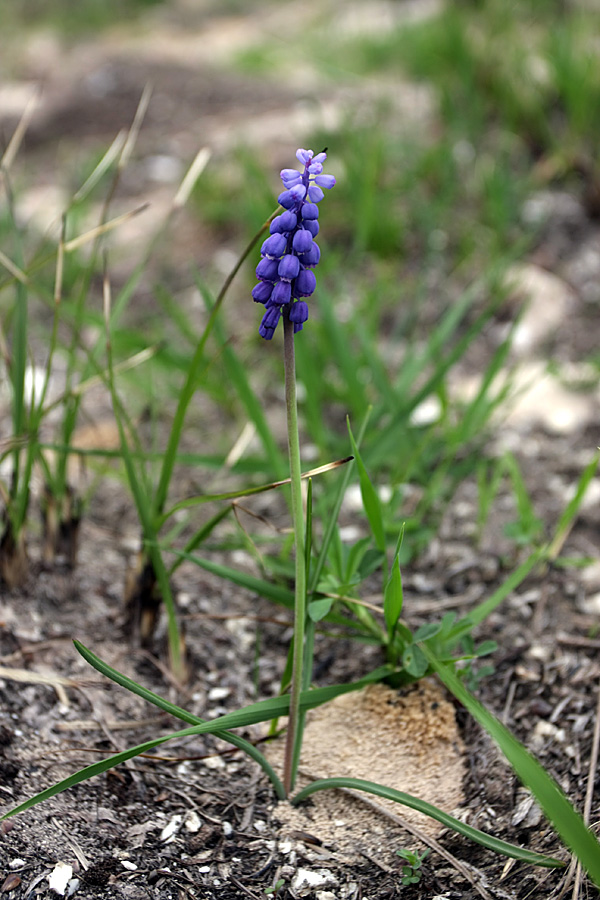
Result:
[
  {"x": 282, "y": 293},
  {"x": 302, "y": 241},
  {"x": 289, "y": 267},
  {"x": 287, "y": 199},
  {"x": 309, "y": 211},
  {"x": 305, "y": 283},
  {"x": 267, "y": 269},
  {"x": 298, "y": 191},
  {"x": 290, "y": 177},
  {"x": 304, "y": 156},
  {"x": 286, "y": 222},
  {"x": 315, "y": 193},
  {"x": 274, "y": 246},
  {"x": 326, "y": 181},
  {"x": 313, "y": 226},
  {"x": 312, "y": 257},
  {"x": 269, "y": 322},
  {"x": 299, "y": 312},
  {"x": 262, "y": 292}
]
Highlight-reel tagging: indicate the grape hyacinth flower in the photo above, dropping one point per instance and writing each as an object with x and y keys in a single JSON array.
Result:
[{"x": 285, "y": 272}]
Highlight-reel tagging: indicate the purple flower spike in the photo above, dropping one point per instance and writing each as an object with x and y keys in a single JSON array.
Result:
[{"x": 290, "y": 253}]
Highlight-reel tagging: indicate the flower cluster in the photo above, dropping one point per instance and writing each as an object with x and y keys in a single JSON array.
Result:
[{"x": 290, "y": 254}]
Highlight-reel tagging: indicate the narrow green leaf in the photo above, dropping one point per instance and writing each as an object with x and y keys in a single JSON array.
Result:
[
  {"x": 277, "y": 593},
  {"x": 379, "y": 790},
  {"x": 370, "y": 498},
  {"x": 179, "y": 713},
  {"x": 250, "y": 715},
  {"x": 566, "y": 820},
  {"x": 393, "y": 598},
  {"x": 568, "y": 516}
]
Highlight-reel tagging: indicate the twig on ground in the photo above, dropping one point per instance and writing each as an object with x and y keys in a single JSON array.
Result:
[{"x": 75, "y": 847}]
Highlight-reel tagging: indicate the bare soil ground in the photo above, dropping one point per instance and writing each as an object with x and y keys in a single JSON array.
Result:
[{"x": 199, "y": 822}]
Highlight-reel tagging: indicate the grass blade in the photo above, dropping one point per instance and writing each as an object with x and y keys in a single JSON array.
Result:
[
  {"x": 263, "y": 711},
  {"x": 563, "y": 816},
  {"x": 380, "y": 790},
  {"x": 179, "y": 713},
  {"x": 370, "y": 498}
]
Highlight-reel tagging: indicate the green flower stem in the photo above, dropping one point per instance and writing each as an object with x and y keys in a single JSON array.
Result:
[{"x": 298, "y": 523}]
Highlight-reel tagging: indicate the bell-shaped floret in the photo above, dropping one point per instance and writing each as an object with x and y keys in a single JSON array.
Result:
[
  {"x": 305, "y": 283},
  {"x": 282, "y": 293},
  {"x": 309, "y": 211},
  {"x": 284, "y": 223},
  {"x": 269, "y": 322},
  {"x": 289, "y": 267},
  {"x": 262, "y": 292},
  {"x": 325, "y": 181},
  {"x": 267, "y": 269},
  {"x": 274, "y": 246},
  {"x": 302, "y": 241},
  {"x": 299, "y": 312},
  {"x": 312, "y": 257}
]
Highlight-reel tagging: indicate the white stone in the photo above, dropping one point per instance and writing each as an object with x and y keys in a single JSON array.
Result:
[
  {"x": 310, "y": 879},
  {"x": 590, "y": 606},
  {"x": 590, "y": 576},
  {"x": 427, "y": 412},
  {"x": 349, "y": 533},
  {"x": 192, "y": 822},
  {"x": 59, "y": 877},
  {"x": 214, "y": 762},
  {"x": 219, "y": 693},
  {"x": 171, "y": 828},
  {"x": 540, "y": 397},
  {"x": 547, "y": 299}
]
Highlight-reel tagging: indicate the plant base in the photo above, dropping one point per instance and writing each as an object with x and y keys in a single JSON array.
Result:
[
  {"x": 142, "y": 602},
  {"x": 14, "y": 564}
]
